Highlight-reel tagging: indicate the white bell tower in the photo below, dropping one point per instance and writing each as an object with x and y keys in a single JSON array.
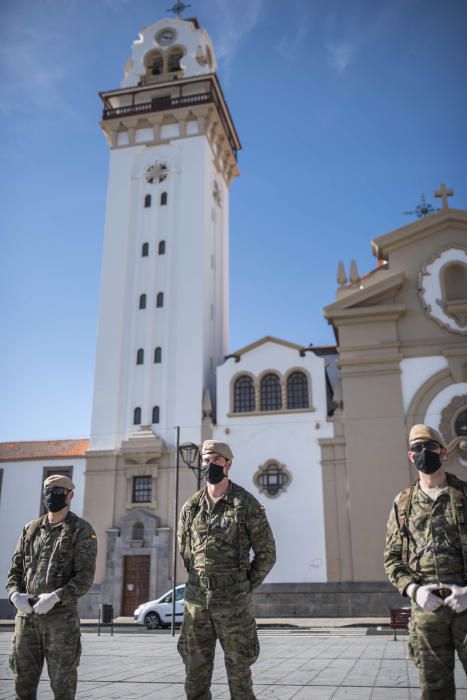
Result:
[{"x": 163, "y": 316}]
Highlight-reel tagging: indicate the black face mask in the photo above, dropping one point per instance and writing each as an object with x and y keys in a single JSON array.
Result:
[
  {"x": 427, "y": 462},
  {"x": 214, "y": 473},
  {"x": 54, "y": 501}
]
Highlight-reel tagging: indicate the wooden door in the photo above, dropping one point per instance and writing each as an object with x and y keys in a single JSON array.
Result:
[{"x": 135, "y": 582}]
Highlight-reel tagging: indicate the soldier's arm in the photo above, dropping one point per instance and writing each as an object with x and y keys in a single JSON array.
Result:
[
  {"x": 84, "y": 566},
  {"x": 183, "y": 539},
  {"x": 262, "y": 543},
  {"x": 16, "y": 572},
  {"x": 397, "y": 571}
]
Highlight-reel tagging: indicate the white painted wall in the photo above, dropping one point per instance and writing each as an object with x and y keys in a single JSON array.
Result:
[
  {"x": 191, "y": 328},
  {"x": 415, "y": 371},
  {"x": 20, "y": 501},
  {"x": 441, "y": 401},
  {"x": 296, "y": 516}
]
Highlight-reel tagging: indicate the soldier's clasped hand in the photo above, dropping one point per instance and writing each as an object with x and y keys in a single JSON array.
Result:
[
  {"x": 21, "y": 602},
  {"x": 457, "y": 601},
  {"x": 426, "y": 599},
  {"x": 45, "y": 603}
]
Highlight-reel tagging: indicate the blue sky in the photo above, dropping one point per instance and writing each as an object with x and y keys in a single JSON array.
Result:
[{"x": 347, "y": 111}]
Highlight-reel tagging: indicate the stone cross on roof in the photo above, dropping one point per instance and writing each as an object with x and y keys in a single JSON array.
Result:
[
  {"x": 178, "y": 8},
  {"x": 444, "y": 193}
]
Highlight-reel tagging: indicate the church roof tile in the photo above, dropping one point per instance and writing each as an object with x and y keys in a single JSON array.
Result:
[{"x": 42, "y": 449}]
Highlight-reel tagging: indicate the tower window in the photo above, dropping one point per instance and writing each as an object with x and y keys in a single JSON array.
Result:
[
  {"x": 155, "y": 414},
  {"x": 174, "y": 60},
  {"x": 163, "y": 199},
  {"x": 147, "y": 201},
  {"x": 145, "y": 250},
  {"x": 140, "y": 357},
  {"x": 158, "y": 355},
  {"x": 271, "y": 395},
  {"x": 154, "y": 63},
  {"x": 142, "y": 301},
  {"x": 142, "y": 490},
  {"x": 297, "y": 390},
  {"x": 137, "y": 530},
  {"x": 244, "y": 395},
  {"x": 137, "y": 416},
  {"x": 160, "y": 300},
  {"x": 161, "y": 247}
]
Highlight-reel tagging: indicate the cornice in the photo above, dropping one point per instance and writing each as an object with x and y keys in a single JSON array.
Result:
[{"x": 366, "y": 314}]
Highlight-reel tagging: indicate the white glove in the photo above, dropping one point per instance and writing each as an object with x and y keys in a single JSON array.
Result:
[
  {"x": 21, "y": 601},
  {"x": 425, "y": 598},
  {"x": 457, "y": 601},
  {"x": 45, "y": 603}
]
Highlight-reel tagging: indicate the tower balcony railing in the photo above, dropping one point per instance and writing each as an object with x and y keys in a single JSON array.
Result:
[{"x": 157, "y": 104}]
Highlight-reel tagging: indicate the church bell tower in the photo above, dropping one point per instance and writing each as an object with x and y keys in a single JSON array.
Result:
[{"x": 163, "y": 317}]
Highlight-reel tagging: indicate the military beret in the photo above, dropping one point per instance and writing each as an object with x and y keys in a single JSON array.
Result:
[
  {"x": 59, "y": 480},
  {"x": 221, "y": 448},
  {"x": 424, "y": 432}
]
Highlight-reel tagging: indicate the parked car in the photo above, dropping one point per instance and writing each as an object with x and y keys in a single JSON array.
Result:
[{"x": 157, "y": 614}]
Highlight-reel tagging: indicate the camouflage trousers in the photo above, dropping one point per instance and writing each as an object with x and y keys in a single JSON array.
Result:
[
  {"x": 434, "y": 637},
  {"x": 54, "y": 637},
  {"x": 234, "y": 626}
]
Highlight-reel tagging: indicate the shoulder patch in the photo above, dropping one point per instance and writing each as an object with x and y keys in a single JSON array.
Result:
[
  {"x": 93, "y": 535},
  {"x": 261, "y": 509}
]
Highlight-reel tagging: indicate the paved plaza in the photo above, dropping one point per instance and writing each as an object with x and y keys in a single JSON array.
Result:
[{"x": 302, "y": 664}]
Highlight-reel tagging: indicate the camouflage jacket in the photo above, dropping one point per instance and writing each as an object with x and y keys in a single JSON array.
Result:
[
  {"x": 434, "y": 530},
  {"x": 60, "y": 559},
  {"x": 216, "y": 540}
]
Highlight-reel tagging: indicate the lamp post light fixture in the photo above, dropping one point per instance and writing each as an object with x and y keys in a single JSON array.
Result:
[{"x": 189, "y": 452}]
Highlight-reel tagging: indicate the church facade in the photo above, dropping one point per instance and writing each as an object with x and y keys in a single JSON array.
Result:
[{"x": 318, "y": 433}]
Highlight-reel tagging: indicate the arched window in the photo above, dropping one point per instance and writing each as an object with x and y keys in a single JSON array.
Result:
[
  {"x": 137, "y": 416},
  {"x": 158, "y": 355},
  {"x": 460, "y": 426},
  {"x": 145, "y": 250},
  {"x": 147, "y": 201},
  {"x": 142, "y": 301},
  {"x": 155, "y": 414},
  {"x": 244, "y": 395},
  {"x": 455, "y": 281},
  {"x": 161, "y": 247},
  {"x": 175, "y": 57},
  {"x": 137, "y": 532},
  {"x": 154, "y": 63},
  {"x": 160, "y": 300},
  {"x": 140, "y": 357},
  {"x": 297, "y": 390},
  {"x": 163, "y": 199},
  {"x": 271, "y": 395}
]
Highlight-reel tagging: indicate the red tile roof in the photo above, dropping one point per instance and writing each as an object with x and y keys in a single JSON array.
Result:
[{"x": 42, "y": 449}]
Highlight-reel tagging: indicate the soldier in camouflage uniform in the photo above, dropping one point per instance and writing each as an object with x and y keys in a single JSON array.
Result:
[
  {"x": 218, "y": 527},
  {"x": 52, "y": 566},
  {"x": 426, "y": 560}
]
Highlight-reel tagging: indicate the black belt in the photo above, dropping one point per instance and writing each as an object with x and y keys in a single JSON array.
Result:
[{"x": 217, "y": 581}]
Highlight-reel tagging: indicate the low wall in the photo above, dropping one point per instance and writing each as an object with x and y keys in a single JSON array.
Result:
[{"x": 353, "y": 599}]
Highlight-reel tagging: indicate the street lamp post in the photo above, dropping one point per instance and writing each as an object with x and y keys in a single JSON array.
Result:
[{"x": 189, "y": 452}]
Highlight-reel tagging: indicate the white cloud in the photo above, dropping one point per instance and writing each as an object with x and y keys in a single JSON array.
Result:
[
  {"x": 340, "y": 54},
  {"x": 233, "y": 21}
]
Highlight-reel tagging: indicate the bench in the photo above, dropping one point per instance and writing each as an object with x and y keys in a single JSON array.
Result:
[{"x": 399, "y": 619}]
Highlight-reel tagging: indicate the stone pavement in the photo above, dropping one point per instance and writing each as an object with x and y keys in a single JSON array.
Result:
[{"x": 306, "y": 664}]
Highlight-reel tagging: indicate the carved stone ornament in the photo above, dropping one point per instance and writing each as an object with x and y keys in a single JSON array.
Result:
[
  {"x": 217, "y": 194},
  {"x": 449, "y": 313},
  {"x": 449, "y": 414},
  {"x": 272, "y": 478},
  {"x": 156, "y": 173}
]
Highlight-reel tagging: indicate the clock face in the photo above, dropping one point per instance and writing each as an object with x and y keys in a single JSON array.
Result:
[{"x": 165, "y": 37}]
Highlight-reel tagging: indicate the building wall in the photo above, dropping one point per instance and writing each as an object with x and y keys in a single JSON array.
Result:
[{"x": 290, "y": 438}]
